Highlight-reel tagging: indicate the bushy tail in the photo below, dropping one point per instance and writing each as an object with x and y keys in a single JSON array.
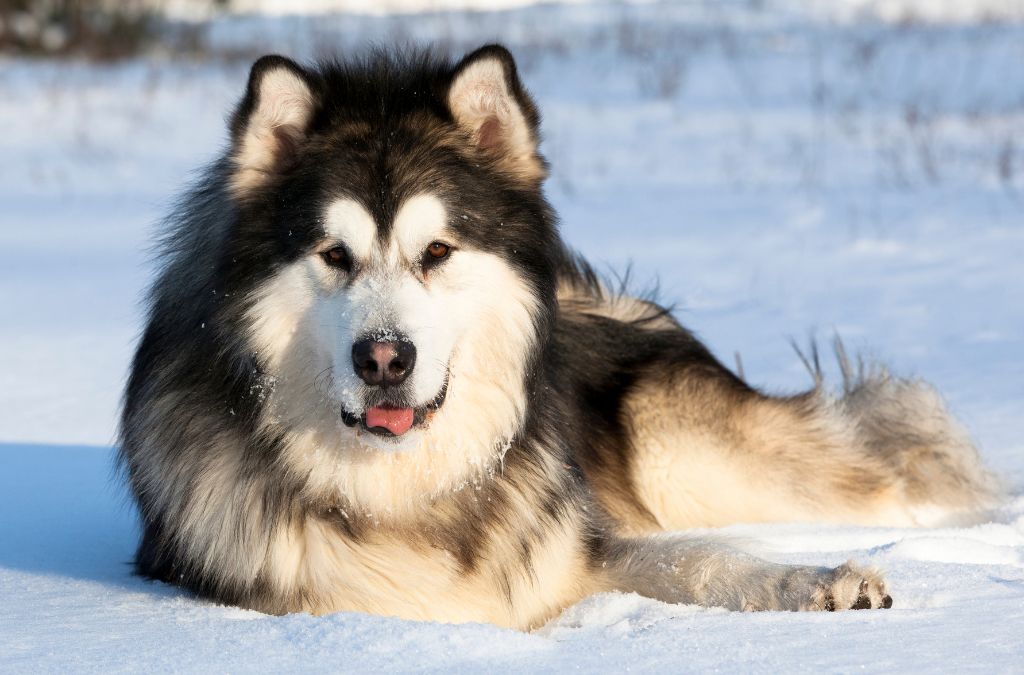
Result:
[{"x": 906, "y": 425}]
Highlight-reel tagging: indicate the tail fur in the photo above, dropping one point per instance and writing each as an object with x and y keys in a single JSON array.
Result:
[{"x": 905, "y": 425}]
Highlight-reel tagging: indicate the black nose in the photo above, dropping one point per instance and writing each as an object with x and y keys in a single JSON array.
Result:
[{"x": 383, "y": 363}]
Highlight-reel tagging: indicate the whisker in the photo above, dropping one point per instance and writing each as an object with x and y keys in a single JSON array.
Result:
[{"x": 323, "y": 375}]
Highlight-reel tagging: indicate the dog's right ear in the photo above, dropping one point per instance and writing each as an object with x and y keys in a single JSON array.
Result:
[{"x": 271, "y": 123}]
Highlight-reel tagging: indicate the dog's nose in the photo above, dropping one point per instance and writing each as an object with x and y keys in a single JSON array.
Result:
[{"x": 383, "y": 363}]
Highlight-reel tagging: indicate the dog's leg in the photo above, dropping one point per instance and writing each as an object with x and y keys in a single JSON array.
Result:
[
  {"x": 685, "y": 570},
  {"x": 708, "y": 451}
]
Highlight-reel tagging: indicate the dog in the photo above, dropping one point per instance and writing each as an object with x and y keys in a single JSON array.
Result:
[{"x": 374, "y": 378}]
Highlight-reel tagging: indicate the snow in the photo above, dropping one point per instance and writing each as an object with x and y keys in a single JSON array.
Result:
[
  {"x": 781, "y": 169},
  {"x": 70, "y": 604}
]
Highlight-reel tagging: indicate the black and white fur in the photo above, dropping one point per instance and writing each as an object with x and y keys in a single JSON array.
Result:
[{"x": 557, "y": 428}]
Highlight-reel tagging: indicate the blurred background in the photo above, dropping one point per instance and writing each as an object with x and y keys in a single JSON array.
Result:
[{"x": 780, "y": 169}]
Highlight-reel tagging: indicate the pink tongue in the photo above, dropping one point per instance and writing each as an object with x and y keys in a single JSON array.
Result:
[{"x": 395, "y": 420}]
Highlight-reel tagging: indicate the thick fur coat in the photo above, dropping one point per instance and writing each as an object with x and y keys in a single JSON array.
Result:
[{"x": 374, "y": 378}]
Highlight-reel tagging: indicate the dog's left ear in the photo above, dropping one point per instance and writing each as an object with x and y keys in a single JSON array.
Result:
[{"x": 489, "y": 102}]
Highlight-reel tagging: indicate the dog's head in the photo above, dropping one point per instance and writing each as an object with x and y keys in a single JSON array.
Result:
[{"x": 396, "y": 249}]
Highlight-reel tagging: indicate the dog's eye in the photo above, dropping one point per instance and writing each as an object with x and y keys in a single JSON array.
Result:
[
  {"x": 337, "y": 257},
  {"x": 438, "y": 250}
]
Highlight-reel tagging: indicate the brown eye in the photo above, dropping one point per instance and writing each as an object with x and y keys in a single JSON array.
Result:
[
  {"x": 336, "y": 257},
  {"x": 438, "y": 251}
]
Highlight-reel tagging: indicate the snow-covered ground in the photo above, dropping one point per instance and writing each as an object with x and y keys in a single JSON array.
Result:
[{"x": 779, "y": 171}]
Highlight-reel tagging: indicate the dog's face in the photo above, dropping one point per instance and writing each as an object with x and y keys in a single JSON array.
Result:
[
  {"x": 393, "y": 313},
  {"x": 406, "y": 244}
]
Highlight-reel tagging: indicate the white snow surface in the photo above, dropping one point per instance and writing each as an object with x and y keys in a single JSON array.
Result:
[{"x": 779, "y": 172}]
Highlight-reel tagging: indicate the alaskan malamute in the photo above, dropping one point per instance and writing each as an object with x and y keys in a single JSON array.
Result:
[{"x": 374, "y": 378}]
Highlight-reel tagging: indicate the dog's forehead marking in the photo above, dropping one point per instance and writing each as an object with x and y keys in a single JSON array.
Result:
[
  {"x": 348, "y": 221},
  {"x": 420, "y": 220}
]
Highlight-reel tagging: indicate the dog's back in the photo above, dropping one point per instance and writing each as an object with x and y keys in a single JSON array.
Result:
[{"x": 676, "y": 440}]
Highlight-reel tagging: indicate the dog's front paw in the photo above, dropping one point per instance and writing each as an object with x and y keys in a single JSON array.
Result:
[{"x": 850, "y": 586}]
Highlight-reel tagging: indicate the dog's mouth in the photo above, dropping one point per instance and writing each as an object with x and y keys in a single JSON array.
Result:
[{"x": 392, "y": 420}]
